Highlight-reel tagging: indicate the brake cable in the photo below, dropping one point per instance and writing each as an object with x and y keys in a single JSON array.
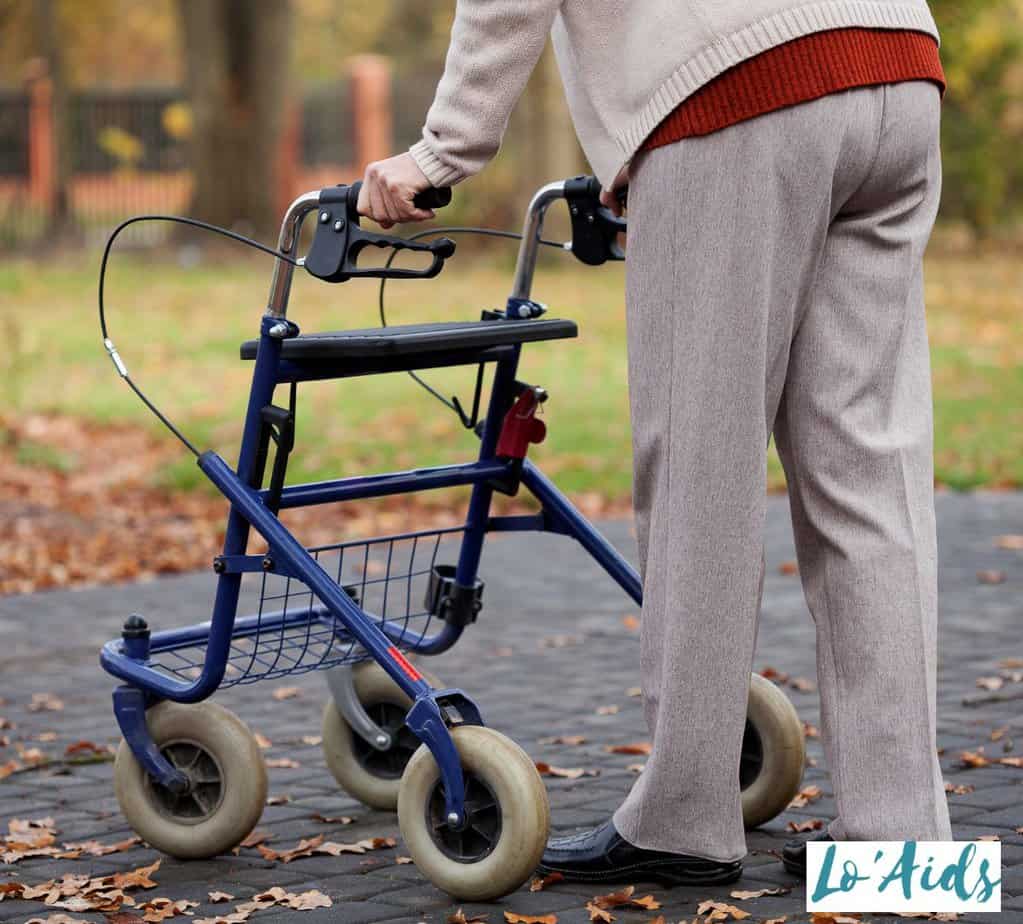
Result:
[{"x": 122, "y": 369}]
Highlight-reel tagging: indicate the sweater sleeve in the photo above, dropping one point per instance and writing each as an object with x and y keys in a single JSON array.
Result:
[{"x": 495, "y": 44}]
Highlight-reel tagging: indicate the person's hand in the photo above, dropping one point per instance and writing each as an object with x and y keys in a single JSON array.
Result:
[
  {"x": 388, "y": 189},
  {"x": 609, "y": 196}
]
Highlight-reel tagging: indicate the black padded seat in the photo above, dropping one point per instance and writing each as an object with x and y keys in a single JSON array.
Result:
[{"x": 405, "y": 339}]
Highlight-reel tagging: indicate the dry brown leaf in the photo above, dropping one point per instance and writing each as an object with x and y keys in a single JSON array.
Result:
[
  {"x": 625, "y": 897},
  {"x": 630, "y": 622},
  {"x": 512, "y": 918},
  {"x": 743, "y": 895},
  {"x": 1011, "y": 542},
  {"x": 802, "y": 684},
  {"x": 45, "y": 702},
  {"x": 607, "y": 710},
  {"x": 998, "y": 734},
  {"x": 974, "y": 759},
  {"x": 833, "y": 917},
  {"x": 601, "y": 915},
  {"x": 566, "y": 773},
  {"x": 1010, "y": 663},
  {"x": 256, "y": 838},
  {"x": 636, "y": 768},
  {"x": 810, "y": 730},
  {"x": 262, "y": 740},
  {"x": 991, "y": 684},
  {"x": 959, "y": 789},
  {"x": 305, "y": 848},
  {"x": 161, "y": 909},
  {"x": 769, "y": 673},
  {"x": 458, "y": 917},
  {"x": 1010, "y": 761},
  {"x": 313, "y": 740},
  {"x": 217, "y": 897},
  {"x": 801, "y": 827},
  {"x": 991, "y": 576},
  {"x": 88, "y": 747},
  {"x": 788, "y": 568},
  {"x": 634, "y": 691},
  {"x": 403, "y": 861},
  {"x": 805, "y": 796},
  {"x": 780, "y": 920},
  {"x": 722, "y": 910},
  {"x": 96, "y": 849},
  {"x": 637, "y": 747},
  {"x": 287, "y": 693},
  {"x": 57, "y": 919},
  {"x": 372, "y": 843},
  {"x": 541, "y": 882},
  {"x": 572, "y": 740},
  {"x": 282, "y": 763},
  {"x": 306, "y": 901},
  {"x": 332, "y": 819},
  {"x": 281, "y": 799}
]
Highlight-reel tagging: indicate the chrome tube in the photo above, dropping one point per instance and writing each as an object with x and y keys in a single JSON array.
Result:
[
  {"x": 531, "y": 231},
  {"x": 291, "y": 228}
]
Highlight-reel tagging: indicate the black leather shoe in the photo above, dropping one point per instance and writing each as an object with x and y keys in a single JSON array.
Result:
[
  {"x": 603, "y": 855},
  {"x": 793, "y": 854}
]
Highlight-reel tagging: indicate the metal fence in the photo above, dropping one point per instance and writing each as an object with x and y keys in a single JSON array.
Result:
[{"x": 127, "y": 153}]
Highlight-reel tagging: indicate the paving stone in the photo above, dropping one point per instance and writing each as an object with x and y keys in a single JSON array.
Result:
[{"x": 571, "y": 653}]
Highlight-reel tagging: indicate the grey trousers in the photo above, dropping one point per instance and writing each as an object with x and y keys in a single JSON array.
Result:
[{"x": 774, "y": 285}]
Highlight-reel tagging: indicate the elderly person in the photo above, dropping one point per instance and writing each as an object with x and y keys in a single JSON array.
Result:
[{"x": 784, "y": 175}]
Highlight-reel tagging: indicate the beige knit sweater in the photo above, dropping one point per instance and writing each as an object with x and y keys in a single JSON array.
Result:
[{"x": 625, "y": 64}]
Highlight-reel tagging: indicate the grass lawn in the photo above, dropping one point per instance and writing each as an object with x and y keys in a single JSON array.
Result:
[{"x": 179, "y": 329}]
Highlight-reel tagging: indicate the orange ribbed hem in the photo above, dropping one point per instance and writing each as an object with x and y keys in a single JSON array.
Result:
[{"x": 799, "y": 71}]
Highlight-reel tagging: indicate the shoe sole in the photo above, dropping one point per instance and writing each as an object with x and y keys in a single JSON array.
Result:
[{"x": 643, "y": 873}]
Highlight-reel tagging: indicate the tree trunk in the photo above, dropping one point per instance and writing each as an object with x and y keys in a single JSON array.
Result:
[
  {"x": 237, "y": 55},
  {"x": 50, "y": 49}
]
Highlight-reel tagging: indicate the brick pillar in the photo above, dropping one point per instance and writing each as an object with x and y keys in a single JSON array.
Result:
[
  {"x": 371, "y": 108},
  {"x": 289, "y": 156},
  {"x": 42, "y": 150}
]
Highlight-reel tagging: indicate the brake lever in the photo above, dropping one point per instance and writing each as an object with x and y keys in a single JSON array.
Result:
[
  {"x": 339, "y": 240},
  {"x": 595, "y": 228}
]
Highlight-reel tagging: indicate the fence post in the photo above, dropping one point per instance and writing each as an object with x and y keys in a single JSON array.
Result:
[
  {"x": 371, "y": 108},
  {"x": 289, "y": 155},
  {"x": 42, "y": 152}
]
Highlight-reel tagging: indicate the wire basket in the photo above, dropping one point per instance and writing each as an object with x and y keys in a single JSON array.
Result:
[{"x": 292, "y": 633}]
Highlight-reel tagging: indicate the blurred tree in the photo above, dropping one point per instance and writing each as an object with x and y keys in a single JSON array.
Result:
[
  {"x": 237, "y": 62},
  {"x": 982, "y": 50},
  {"x": 49, "y": 41}
]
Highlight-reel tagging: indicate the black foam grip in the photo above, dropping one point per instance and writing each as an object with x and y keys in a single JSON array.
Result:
[{"x": 436, "y": 197}]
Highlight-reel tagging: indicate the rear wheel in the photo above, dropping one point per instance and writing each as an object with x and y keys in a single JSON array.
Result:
[
  {"x": 773, "y": 753},
  {"x": 371, "y": 775}
]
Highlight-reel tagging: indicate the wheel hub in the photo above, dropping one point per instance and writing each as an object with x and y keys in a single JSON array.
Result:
[
  {"x": 205, "y": 790},
  {"x": 388, "y": 764},
  {"x": 481, "y": 830},
  {"x": 752, "y": 760}
]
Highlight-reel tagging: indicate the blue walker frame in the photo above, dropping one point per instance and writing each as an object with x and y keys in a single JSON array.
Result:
[{"x": 128, "y": 658}]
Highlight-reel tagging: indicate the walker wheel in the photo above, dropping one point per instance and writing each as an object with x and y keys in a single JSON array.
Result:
[
  {"x": 773, "y": 753},
  {"x": 372, "y": 776},
  {"x": 507, "y": 817},
  {"x": 227, "y": 775}
]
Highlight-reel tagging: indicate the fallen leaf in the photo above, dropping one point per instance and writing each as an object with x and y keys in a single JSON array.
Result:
[
  {"x": 601, "y": 915},
  {"x": 625, "y": 897},
  {"x": 87, "y": 747},
  {"x": 788, "y": 568},
  {"x": 282, "y": 693},
  {"x": 607, "y": 710},
  {"x": 572, "y": 740},
  {"x": 634, "y": 691},
  {"x": 999, "y": 733},
  {"x": 801, "y": 827},
  {"x": 721, "y": 908},
  {"x": 802, "y": 684},
  {"x": 45, "y": 702},
  {"x": 313, "y": 740},
  {"x": 991, "y": 576},
  {"x": 1010, "y": 761},
  {"x": 805, "y": 796},
  {"x": 1010, "y": 663},
  {"x": 282, "y": 763},
  {"x": 512, "y": 918},
  {"x": 6, "y": 724},
  {"x": 1011, "y": 542},
  {"x": 990, "y": 683},
  {"x": 459, "y": 917},
  {"x": 630, "y": 622},
  {"x": 566, "y": 773},
  {"x": 833, "y": 917},
  {"x": 306, "y": 901},
  {"x": 305, "y": 848},
  {"x": 541, "y": 883},
  {"x": 217, "y": 897},
  {"x": 403, "y": 861},
  {"x": 760, "y": 893},
  {"x": 810, "y": 730},
  {"x": 160, "y": 909},
  {"x": 974, "y": 759},
  {"x": 282, "y": 799},
  {"x": 256, "y": 838},
  {"x": 637, "y": 747},
  {"x": 332, "y": 819},
  {"x": 769, "y": 673},
  {"x": 636, "y": 768},
  {"x": 959, "y": 789},
  {"x": 262, "y": 740}
]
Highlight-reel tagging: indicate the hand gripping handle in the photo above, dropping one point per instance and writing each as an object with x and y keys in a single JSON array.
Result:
[{"x": 339, "y": 239}]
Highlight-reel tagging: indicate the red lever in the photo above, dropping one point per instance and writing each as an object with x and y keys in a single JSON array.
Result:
[{"x": 521, "y": 427}]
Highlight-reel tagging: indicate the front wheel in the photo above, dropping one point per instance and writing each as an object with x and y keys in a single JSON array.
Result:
[
  {"x": 773, "y": 753},
  {"x": 507, "y": 817},
  {"x": 227, "y": 782}
]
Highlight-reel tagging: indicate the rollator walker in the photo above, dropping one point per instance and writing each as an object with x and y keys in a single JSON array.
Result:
[{"x": 472, "y": 808}]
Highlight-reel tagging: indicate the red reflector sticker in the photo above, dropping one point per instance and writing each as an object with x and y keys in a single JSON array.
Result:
[{"x": 404, "y": 664}]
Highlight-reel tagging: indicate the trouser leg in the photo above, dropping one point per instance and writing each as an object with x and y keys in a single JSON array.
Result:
[
  {"x": 855, "y": 434},
  {"x": 723, "y": 243}
]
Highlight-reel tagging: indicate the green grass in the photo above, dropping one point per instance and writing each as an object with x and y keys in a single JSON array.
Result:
[{"x": 179, "y": 329}]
